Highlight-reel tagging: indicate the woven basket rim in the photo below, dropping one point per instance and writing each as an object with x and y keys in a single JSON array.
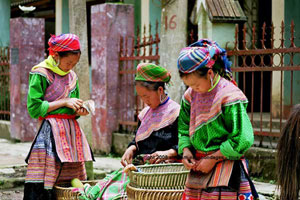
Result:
[
  {"x": 152, "y": 190},
  {"x": 160, "y": 164},
  {"x": 159, "y": 173}
]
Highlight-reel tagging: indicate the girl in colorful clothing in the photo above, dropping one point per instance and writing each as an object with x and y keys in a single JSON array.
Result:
[
  {"x": 60, "y": 147},
  {"x": 156, "y": 135},
  {"x": 288, "y": 155},
  {"x": 213, "y": 126}
]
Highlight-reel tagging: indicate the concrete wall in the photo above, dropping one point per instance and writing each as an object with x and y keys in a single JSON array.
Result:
[
  {"x": 173, "y": 39},
  {"x": 109, "y": 22},
  {"x": 78, "y": 26},
  {"x": 27, "y": 47},
  {"x": 120, "y": 142},
  {"x": 277, "y": 18},
  {"x": 262, "y": 163},
  {"x": 204, "y": 24},
  {"x": 5, "y": 129},
  {"x": 222, "y": 33},
  {"x": 145, "y": 15},
  {"x": 4, "y": 22}
]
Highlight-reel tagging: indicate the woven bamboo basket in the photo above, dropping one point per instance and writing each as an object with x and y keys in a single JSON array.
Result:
[
  {"x": 64, "y": 191},
  {"x": 152, "y": 194},
  {"x": 160, "y": 176}
]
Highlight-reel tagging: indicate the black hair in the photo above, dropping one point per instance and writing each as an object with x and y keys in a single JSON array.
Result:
[
  {"x": 288, "y": 157},
  {"x": 67, "y": 53},
  {"x": 151, "y": 85}
]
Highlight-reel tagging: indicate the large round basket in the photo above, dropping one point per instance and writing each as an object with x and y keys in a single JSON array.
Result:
[
  {"x": 64, "y": 191},
  {"x": 152, "y": 194},
  {"x": 160, "y": 176}
]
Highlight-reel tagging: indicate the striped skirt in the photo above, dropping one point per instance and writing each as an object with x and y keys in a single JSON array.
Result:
[
  {"x": 44, "y": 164},
  {"x": 240, "y": 186}
]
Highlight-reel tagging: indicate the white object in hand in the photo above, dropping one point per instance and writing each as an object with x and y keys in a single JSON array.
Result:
[{"x": 89, "y": 105}]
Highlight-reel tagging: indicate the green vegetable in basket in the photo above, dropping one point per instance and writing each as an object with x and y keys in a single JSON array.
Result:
[{"x": 75, "y": 182}]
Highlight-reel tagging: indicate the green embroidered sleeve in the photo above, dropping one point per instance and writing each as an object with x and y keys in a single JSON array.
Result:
[
  {"x": 240, "y": 136},
  {"x": 35, "y": 100},
  {"x": 183, "y": 126}
]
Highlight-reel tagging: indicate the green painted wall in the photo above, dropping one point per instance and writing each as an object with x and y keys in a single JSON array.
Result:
[
  {"x": 223, "y": 32},
  {"x": 65, "y": 16},
  {"x": 155, "y": 14},
  {"x": 291, "y": 12},
  {"x": 137, "y": 12},
  {"x": 154, "y": 10},
  {"x": 4, "y": 22}
]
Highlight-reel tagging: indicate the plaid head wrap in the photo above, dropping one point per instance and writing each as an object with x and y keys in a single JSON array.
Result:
[
  {"x": 201, "y": 54},
  {"x": 151, "y": 72},
  {"x": 63, "y": 42}
]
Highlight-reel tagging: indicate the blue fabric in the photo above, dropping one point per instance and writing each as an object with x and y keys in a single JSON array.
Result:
[{"x": 202, "y": 54}]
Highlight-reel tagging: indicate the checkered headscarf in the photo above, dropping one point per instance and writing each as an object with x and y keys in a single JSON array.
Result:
[
  {"x": 151, "y": 72},
  {"x": 63, "y": 42},
  {"x": 203, "y": 54}
]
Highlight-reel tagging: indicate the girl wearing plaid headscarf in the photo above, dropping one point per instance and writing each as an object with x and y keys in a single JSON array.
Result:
[
  {"x": 213, "y": 126},
  {"x": 156, "y": 134},
  {"x": 60, "y": 148},
  {"x": 156, "y": 137}
]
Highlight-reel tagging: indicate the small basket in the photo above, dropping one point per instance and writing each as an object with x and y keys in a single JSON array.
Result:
[
  {"x": 63, "y": 191},
  {"x": 151, "y": 194},
  {"x": 159, "y": 176}
]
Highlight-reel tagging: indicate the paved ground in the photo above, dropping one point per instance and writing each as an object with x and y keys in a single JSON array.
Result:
[
  {"x": 13, "y": 166},
  {"x": 12, "y": 194}
]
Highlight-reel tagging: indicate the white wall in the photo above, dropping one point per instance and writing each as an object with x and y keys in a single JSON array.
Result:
[{"x": 277, "y": 17}]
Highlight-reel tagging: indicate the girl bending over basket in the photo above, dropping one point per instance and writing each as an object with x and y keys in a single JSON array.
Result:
[{"x": 213, "y": 126}]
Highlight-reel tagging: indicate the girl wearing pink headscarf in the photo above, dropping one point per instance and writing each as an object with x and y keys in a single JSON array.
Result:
[{"x": 60, "y": 147}]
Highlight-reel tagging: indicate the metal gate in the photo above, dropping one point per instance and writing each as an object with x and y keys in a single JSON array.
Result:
[
  {"x": 268, "y": 75},
  {"x": 4, "y": 84},
  {"x": 133, "y": 50}
]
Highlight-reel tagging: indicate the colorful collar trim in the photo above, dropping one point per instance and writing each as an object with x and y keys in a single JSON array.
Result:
[{"x": 50, "y": 63}]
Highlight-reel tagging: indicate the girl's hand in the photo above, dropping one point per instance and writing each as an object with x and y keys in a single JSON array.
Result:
[
  {"x": 128, "y": 155},
  {"x": 158, "y": 157},
  {"x": 205, "y": 165},
  {"x": 73, "y": 103},
  {"x": 188, "y": 159},
  {"x": 82, "y": 112},
  {"x": 162, "y": 156}
]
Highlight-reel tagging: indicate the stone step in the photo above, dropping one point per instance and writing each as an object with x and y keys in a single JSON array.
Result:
[
  {"x": 266, "y": 189},
  {"x": 99, "y": 174},
  {"x": 13, "y": 171},
  {"x": 265, "y": 123},
  {"x": 266, "y": 132}
]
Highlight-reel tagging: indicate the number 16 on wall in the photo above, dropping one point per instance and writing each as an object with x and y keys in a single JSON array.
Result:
[{"x": 171, "y": 24}]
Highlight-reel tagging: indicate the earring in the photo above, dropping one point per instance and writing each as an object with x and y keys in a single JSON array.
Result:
[
  {"x": 211, "y": 82},
  {"x": 58, "y": 62},
  {"x": 160, "y": 100}
]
